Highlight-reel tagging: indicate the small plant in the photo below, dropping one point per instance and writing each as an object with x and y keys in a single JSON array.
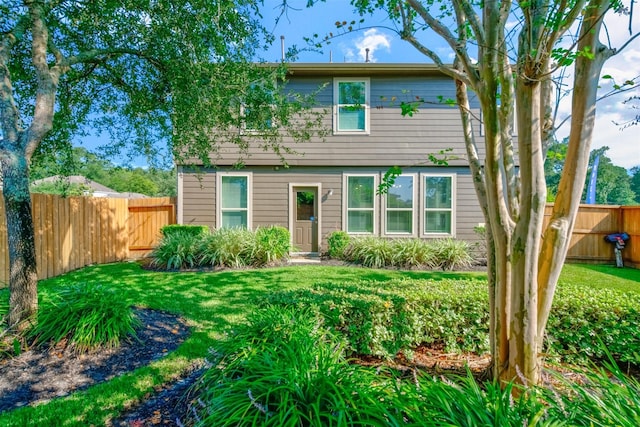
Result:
[
  {"x": 285, "y": 369},
  {"x": 184, "y": 229},
  {"x": 453, "y": 254},
  {"x": 371, "y": 252},
  {"x": 227, "y": 247},
  {"x": 338, "y": 242},
  {"x": 178, "y": 249},
  {"x": 272, "y": 244},
  {"x": 87, "y": 315},
  {"x": 414, "y": 253}
]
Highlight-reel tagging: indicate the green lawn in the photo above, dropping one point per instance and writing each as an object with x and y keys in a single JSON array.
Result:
[{"x": 211, "y": 303}]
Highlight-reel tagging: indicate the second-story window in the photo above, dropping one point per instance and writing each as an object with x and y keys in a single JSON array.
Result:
[{"x": 351, "y": 105}]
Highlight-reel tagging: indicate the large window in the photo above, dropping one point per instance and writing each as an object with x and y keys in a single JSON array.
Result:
[
  {"x": 399, "y": 206},
  {"x": 351, "y": 98},
  {"x": 439, "y": 204},
  {"x": 360, "y": 215},
  {"x": 234, "y": 200}
]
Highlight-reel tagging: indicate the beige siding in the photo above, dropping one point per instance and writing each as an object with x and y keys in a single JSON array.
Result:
[
  {"x": 393, "y": 139},
  {"x": 270, "y": 203},
  {"x": 198, "y": 199}
]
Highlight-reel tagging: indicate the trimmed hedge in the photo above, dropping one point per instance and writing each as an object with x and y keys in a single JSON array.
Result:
[
  {"x": 384, "y": 318},
  {"x": 185, "y": 229}
]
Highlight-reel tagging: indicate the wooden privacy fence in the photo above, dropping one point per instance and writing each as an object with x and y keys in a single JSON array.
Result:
[
  {"x": 596, "y": 221},
  {"x": 77, "y": 231}
]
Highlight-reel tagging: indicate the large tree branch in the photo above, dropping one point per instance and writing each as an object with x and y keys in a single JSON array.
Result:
[
  {"x": 448, "y": 37},
  {"x": 557, "y": 235},
  {"x": 47, "y": 83}
]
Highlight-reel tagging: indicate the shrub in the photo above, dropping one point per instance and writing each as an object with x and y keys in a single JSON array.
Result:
[
  {"x": 338, "y": 242},
  {"x": 384, "y": 318},
  {"x": 585, "y": 323},
  {"x": 178, "y": 249},
  {"x": 413, "y": 253},
  {"x": 285, "y": 369},
  {"x": 272, "y": 244},
  {"x": 227, "y": 247},
  {"x": 452, "y": 254},
  {"x": 371, "y": 252},
  {"x": 87, "y": 315},
  {"x": 183, "y": 229}
]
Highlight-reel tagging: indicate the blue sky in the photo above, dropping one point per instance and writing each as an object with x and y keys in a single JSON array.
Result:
[{"x": 386, "y": 46}]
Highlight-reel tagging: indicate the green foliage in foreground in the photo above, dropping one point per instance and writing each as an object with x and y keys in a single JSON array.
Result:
[
  {"x": 224, "y": 247},
  {"x": 385, "y": 318},
  {"x": 196, "y": 230},
  {"x": 213, "y": 302},
  {"x": 88, "y": 315},
  {"x": 284, "y": 368},
  {"x": 377, "y": 252}
]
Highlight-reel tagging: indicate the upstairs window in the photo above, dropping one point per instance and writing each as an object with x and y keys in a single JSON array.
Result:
[{"x": 351, "y": 109}]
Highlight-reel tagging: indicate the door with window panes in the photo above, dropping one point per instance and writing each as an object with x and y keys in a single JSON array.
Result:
[{"x": 305, "y": 216}]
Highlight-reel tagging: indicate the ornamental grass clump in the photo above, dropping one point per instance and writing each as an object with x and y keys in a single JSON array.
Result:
[
  {"x": 178, "y": 249},
  {"x": 88, "y": 316},
  {"x": 452, "y": 254},
  {"x": 272, "y": 244},
  {"x": 227, "y": 247},
  {"x": 284, "y": 368}
]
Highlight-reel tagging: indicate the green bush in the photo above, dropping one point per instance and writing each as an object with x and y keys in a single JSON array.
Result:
[
  {"x": 452, "y": 254},
  {"x": 384, "y": 318},
  {"x": 584, "y": 323},
  {"x": 227, "y": 247},
  {"x": 338, "y": 242},
  {"x": 414, "y": 253},
  {"x": 183, "y": 229},
  {"x": 372, "y": 252},
  {"x": 272, "y": 245},
  {"x": 178, "y": 249},
  {"x": 87, "y": 315},
  {"x": 377, "y": 252},
  {"x": 285, "y": 369}
]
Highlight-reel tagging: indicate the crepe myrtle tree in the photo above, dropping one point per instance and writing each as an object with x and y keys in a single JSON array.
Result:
[
  {"x": 506, "y": 52},
  {"x": 185, "y": 74}
]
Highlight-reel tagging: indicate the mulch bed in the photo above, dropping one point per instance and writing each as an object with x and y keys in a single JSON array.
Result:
[{"x": 39, "y": 375}]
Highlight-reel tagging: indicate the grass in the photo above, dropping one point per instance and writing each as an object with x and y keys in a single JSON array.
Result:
[
  {"x": 602, "y": 276},
  {"x": 211, "y": 303}
]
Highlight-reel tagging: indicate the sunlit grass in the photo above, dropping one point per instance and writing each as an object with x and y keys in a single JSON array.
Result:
[
  {"x": 211, "y": 302},
  {"x": 602, "y": 276}
]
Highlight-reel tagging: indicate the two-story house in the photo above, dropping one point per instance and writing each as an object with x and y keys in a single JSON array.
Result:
[{"x": 333, "y": 184}]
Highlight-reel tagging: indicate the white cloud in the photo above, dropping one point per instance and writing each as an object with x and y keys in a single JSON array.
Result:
[
  {"x": 624, "y": 147},
  {"x": 373, "y": 39}
]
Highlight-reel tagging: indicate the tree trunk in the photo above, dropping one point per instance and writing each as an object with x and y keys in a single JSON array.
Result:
[{"x": 23, "y": 282}]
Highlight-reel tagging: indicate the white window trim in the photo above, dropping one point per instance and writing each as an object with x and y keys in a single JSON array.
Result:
[
  {"x": 345, "y": 203},
  {"x": 249, "y": 177},
  {"x": 336, "y": 98},
  {"x": 250, "y": 131},
  {"x": 453, "y": 209},
  {"x": 414, "y": 229}
]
